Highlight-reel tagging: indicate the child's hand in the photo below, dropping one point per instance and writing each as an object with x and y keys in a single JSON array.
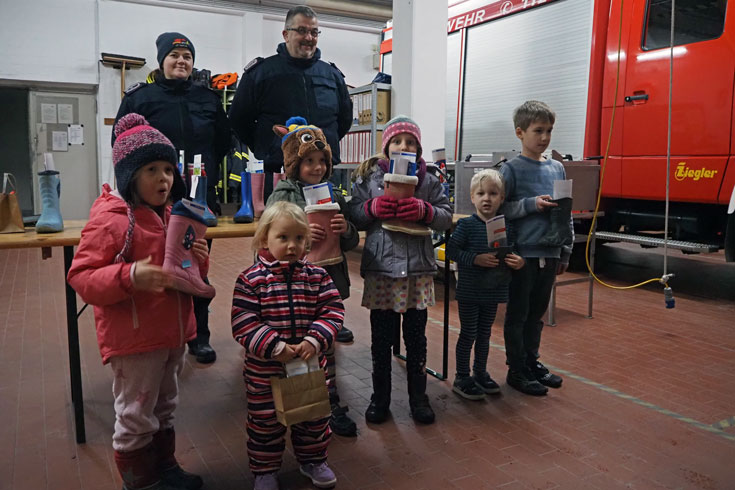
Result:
[
  {"x": 411, "y": 209},
  {"x": 200, "y": 250},
  {"x": 317, "y": 232},
  {"x": 305, "y": 350},
  {"x": 544, "y": 202},
  {"x": 149, "y": 277},
  {"x": 561, "y": 268},
  {"x": 514, "y": 261},
  {"x": 382, "y": 207},
  {"x": 338, "y": 224},
  {"x": 486, "y": 260},
  {"x": 286, "y": 354}
]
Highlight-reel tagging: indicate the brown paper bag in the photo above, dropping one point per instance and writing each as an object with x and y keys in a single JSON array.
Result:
[
  {"x": 301, "y": 398},
  {"x": 11, "y": 219}
]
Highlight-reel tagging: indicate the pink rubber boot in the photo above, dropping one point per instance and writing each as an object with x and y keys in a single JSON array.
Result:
[
  {"x": 184, "y": 227},
  {"x": 257, "y": 181},
  {"x": 402, "y": 187},
  {"x": 326, "y": 251}
]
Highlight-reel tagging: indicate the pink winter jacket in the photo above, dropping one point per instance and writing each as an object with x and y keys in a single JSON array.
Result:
[{"x": 128, "y": 321}]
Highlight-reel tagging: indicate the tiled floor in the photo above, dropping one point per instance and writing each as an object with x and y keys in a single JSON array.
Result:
[{"x": 648, "y": 399}]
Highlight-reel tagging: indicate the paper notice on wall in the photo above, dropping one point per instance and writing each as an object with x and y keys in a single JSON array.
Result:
[
  {"x": 66, "y": 114},
  {"x": 317, "y": 194},
  {"x": 76, "y": 134},
  {"x": 48, "y": 113},
  {"x": 562, "y": 189},
  {"x": 60, "y": 141},
  {"x": 496, "y": 235}
]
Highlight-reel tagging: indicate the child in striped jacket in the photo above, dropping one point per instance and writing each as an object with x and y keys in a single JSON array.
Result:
[
  {"x": 482, "y": 284},
  {"x": 283, "y": 308}
]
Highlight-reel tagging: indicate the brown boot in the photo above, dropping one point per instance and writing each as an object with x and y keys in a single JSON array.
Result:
[{"x": 173, "y": 475}]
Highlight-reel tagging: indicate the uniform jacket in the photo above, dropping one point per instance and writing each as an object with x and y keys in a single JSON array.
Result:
[
  {"x": 128, "y": 321},
  {"x": 190, "y": 115},
  {"x": 293, "y": 191},
  {"x": 276, "y": 301},
  {"x": 279, "y": 87},
  {"x": 397, "y": 254}
]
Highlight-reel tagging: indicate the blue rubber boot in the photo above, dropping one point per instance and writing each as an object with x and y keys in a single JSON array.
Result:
[
  {"x": 201, "y": 198},
  {"x": 50, "y": 220},
  {"x": 245, "y": 213}
]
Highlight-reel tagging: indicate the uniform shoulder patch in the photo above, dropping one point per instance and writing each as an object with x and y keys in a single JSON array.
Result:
[
  {"x": 134, "y": 87},
  {"x": 338, "y": 70},
  {"x": 253, "y": 64}
]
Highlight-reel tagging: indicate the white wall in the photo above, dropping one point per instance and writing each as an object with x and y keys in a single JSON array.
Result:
[{"x": 49, "y": 41}]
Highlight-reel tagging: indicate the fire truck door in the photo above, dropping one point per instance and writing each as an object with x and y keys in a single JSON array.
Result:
[{"x": 704, "y": 67}]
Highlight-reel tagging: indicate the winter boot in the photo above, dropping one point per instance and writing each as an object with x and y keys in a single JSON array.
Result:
[
  {"x": 245, "y": 213},
  {"x": 164, "y": 446},
  {"x": 138, "y": 470},
  {"x": 201, "y": 197},
  {"x": 326, "y": 251},
  {"x": 184, "y": 227},
  {"x": 420, "y": 409},
  {"x": 559, "y": 232},
  {"x": 50, "y": 220},
  {"x": 402, "y": 187},
  {"x": 379, "y": 409},
  {"x": 257, "y": 181}
]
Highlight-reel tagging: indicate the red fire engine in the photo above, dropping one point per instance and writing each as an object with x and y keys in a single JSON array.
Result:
[{"x": 565, "y": 52}]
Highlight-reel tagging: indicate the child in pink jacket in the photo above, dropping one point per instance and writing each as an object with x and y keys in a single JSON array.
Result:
[{"x": 142, "y": 325}]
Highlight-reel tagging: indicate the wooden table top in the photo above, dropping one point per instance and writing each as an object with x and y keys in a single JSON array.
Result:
[{"x": 226, "y": 228}]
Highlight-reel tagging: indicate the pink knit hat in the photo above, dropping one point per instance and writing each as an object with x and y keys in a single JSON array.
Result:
[
  {"x": 398, "y": 125},
  {"x": 137, "y": 144}
]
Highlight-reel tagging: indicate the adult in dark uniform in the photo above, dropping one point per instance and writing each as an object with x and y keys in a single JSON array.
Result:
[
  {"x": 192, "y": 117},
  {"x": 294, "y": 82}
]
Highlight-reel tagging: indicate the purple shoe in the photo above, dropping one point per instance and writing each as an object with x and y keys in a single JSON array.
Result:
[
  {"x": 266, "y": 481},
  {"x": 321, "y": 475}
]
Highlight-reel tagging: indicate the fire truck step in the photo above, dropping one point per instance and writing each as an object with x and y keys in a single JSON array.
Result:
[{"x": 692, "y": 247}]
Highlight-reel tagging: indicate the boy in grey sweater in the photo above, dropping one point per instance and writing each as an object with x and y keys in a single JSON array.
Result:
[{"x": 529, "y": 183}]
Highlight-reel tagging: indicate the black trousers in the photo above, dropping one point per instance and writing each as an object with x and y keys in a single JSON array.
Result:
[
  {"x": 530, "y": 291},
  {"x": 384, "y": 324},
  {"x": 201, "y": 314}
]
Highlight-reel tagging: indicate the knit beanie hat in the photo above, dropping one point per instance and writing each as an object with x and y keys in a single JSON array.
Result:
[
  {"x": 298, "y": 139},
  {"x": 398, "y": 125},
  {"x": 167, "y": 41},
  {"x": 137, "y": 144}
]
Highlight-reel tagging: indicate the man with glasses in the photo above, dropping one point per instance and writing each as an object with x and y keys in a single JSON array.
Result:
[{"x": 295, "y": 82}]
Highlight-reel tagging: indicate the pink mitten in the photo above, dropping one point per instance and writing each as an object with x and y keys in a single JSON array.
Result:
[
  {"x": 381, "y": 207},
  {"x": 411, "y": 209}
]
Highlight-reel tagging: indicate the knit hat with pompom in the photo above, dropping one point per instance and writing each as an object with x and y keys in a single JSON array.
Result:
[{"x": 137, "y": 144}]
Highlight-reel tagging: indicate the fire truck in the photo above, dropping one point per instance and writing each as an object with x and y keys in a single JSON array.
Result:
[{"x": 590, "y": 60}]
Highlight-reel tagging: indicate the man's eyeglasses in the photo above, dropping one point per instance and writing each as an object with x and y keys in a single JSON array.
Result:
[{"x": 303, "y": 31}]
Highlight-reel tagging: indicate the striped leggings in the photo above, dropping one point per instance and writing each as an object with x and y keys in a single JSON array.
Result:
[
  {"x": 476, "y": 320},
  {"x": 266, "y": 436}
]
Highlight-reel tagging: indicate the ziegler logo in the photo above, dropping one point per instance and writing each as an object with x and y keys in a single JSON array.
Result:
[{"x": 684, "y": 172}]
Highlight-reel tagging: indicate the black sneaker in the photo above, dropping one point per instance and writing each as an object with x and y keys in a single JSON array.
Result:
[
  {"x": 345, "y": 336},
  {"x": 340, "y": 423},
  {"x": 466, "y": 387},
  {"x": 524, "y": 382},
  {"x": 543, "y": 375},
  {"x": 486, "y": 383},
  {"x": 204, "y": 353}
]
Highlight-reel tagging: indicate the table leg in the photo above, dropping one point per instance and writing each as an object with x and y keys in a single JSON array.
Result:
[{"x": 75, "y": 371}]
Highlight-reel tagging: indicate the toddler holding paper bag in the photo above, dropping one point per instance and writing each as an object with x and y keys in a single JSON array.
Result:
[
  {"x": 398, "y": 264},
  {"x": 484, "y": 264},
  {"x": 543, "y": 236},
  {"x": 307, "y": 161},
  {"x": 282, "y": 308}
]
